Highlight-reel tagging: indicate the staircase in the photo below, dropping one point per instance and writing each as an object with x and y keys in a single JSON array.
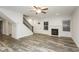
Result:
[{"x": 27, "y": 24}]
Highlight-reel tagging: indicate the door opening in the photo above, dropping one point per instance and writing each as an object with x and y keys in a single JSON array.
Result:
[{"x": 1, "y": 27}]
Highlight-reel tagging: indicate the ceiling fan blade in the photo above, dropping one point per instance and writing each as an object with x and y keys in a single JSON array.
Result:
[
  {"x": 44, "y": 12},
  {"x": 45, "y": 9},
  {"x": 35, "y": 7}
]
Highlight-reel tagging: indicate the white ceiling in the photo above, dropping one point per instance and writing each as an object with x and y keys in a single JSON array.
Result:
[{"x": 52, "y": 10}]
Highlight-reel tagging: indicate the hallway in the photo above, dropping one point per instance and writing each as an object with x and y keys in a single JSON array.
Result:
[{"x": 37, "y": 43}]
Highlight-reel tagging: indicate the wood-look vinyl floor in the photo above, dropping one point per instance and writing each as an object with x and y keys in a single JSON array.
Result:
[{"x": 37, "y": 43}]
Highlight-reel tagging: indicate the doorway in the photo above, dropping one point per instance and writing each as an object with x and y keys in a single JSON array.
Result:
[{"x": 1, "y": 27}]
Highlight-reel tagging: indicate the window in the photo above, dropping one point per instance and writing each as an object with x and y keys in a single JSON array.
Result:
[
  {"x": 45, "y": 25},
  {"x": 66, "y": 25}
]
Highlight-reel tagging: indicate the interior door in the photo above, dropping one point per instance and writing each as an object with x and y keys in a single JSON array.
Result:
[{"x": 0, "y": 27}]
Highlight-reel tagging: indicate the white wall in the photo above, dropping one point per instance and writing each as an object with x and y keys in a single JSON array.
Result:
[
  {"x": 75, "y": 27},
  {"x": 5, "y": 27},
  {"x": 22, "y": 31},
  {"x": 54, "y": 22},
  {"x": 8, "y": 29},
  {"x": 18, "y": 30}
]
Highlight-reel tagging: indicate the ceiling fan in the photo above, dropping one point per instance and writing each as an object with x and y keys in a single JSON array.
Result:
[{"x": 40, "y": 9}]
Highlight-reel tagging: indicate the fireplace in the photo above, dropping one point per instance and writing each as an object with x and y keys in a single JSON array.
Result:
[{"x": 54, "y": 31}]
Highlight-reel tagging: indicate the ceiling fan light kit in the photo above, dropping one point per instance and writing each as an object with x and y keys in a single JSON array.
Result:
[{"x": 40, "y": 9}]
